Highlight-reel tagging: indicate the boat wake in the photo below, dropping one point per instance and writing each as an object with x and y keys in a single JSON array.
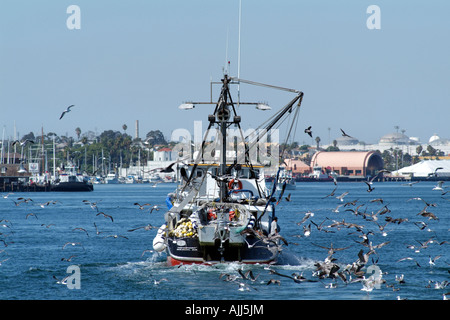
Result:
[{"x": 290, "y": 260}]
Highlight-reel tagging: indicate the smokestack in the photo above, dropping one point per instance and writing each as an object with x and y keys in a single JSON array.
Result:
[{"x": 137, "y": 129}]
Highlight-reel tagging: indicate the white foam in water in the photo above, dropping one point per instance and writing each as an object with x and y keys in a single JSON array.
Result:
[{"x": 288, "y": 259}]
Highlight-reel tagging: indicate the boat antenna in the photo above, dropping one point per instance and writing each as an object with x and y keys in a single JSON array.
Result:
[
  {"x": 239, "y": 55},
  {"x": 227, "y": 62}
]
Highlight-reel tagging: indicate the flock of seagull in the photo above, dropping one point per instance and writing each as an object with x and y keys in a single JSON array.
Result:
[
  {"x": 359, "y": 222},
  {"x": 371, "y": 219},
  {"x": 33, "y": 211}
]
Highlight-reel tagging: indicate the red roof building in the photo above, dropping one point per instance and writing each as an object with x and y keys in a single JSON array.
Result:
[{"x": 351, "y": 163}]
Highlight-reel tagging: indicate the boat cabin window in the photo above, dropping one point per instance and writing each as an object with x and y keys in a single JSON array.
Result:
[
  {"x": 246, "y": 173},
  {"x": 250, "y": 173},
  {"x": 243, "y": 173}
]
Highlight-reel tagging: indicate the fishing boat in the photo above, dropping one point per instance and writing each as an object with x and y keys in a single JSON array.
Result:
[
  {"x": 222, "y": 210},
  {"x": 319, "y": 174},
  {"x": 285, "y": 180},
  {"x": 70, "y": 180}
]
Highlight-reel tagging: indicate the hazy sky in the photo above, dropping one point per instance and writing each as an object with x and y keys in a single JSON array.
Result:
[{"x": 140, "y": 59}]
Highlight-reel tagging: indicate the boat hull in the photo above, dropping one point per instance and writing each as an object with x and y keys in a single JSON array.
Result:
[
  {"x": 189, "y": 251},
  {"x": 72, "y": 186}
]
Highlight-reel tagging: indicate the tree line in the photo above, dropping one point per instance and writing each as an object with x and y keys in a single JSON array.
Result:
[
  {"x": 111, "y": 149},
  {"x": 93, "y": 153}
]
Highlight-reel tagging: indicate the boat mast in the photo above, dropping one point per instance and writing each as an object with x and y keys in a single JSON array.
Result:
[{"x": 223, "y": 115}]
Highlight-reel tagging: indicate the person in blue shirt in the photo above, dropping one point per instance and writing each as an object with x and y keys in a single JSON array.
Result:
[{"x": 169, "y": 200}]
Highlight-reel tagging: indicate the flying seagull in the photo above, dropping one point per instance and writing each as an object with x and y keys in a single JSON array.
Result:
[
  {"x": 369, "y": 186},
  {"x": 308, "y": 131},
  {"x": 22, "y": 143},
  {"x": 65, "y": 111},
  {"x": 344, "y": 134}
]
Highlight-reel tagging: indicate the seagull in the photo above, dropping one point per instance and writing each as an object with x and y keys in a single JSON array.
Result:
[
  {"x": 243, "y": 287},
  {"x": 248, "y": 275},
  {"x": 296, "y": 277},
  {"x": 378, "y": 174},
  {"x": 96, "y": 229},
  {"x": 26, "y": 200},
  {"x": 331, "y": 194},
  {"x": 81, "y": 229},
  {"x": 427, "y": 214},
  {"x": 42, "y": 205},
  {"x": 434, "y": 174},
  {"x": 422, "y": 225},
  {"x": 439, "y": 186},
  {"x": 369, "y": 186},
  {"x": 105, "y": 215},
  {"x": 92, "y": 204},
  {"x": 62, "y": 281},
  {"x": 251, "y": 245},
  {"x": 65, "y": 111},
  {"x": 72, "y": 244},
  {"x": 155, "y": 207},
  {"x": 68, "y": 259},
  {"x": 31, "y": 214},
  {"x": 274, "y": 281},
  {"x": 5, "y": 196},
  {"x": 344, "y": 134},
  {"x": 307, "y": 230},
  {"x": 168, "y": 168},
  {"x": 228, "y": 277},
  {"x": 306, "y": 217},
  {"x": 426, "y": 203},
  {"x": 400, "y": 279},
  {"x": 331, "y": 250},
  {"x": 308, "y": 131},
  {"x": 146, "y": 228},
  {"x": 22, "y": 143},
  {"x": 141, "y": 206},
  {"x": 320, "y": 228},
  {"x": 431, "y": 261},
  {"x": 341, "y": 197},
  {"x": 47, "y": 225},
  {"x": 383, "y": 210},
  {"x": 410, "y": 183},
  {"x": 368, "y": 284},
  {"x": 115, "y": 236}
]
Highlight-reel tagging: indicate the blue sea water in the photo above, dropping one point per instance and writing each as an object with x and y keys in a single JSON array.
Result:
[{"x": 36, "y": 242}]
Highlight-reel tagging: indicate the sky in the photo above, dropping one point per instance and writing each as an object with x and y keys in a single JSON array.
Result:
[{"x": 140, "y": 59}]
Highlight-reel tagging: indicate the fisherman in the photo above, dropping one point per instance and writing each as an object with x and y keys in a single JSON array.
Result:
[
  {"x": 273, "y": 227},
  {"x": 169, "y": 200}
]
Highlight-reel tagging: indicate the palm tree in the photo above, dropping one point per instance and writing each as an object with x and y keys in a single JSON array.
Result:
[
  {"x": 317, "y": 141},
  {"x": 419, "y": 150},
  {"x": 124, "y": 127},
  {"x": 78, "y": 132}
]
